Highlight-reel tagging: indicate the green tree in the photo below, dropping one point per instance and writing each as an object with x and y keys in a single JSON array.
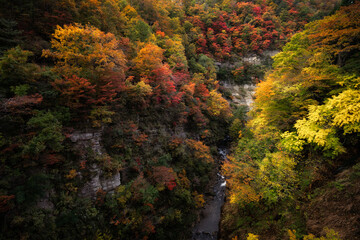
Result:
[
  {"x": 48, "y": 134},
  {"x": 8, "y": 34},
  {"x": 15, "y": 69}
]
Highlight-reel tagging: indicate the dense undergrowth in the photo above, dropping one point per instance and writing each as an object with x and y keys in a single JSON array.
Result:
[{"x": 136, "y": 82}]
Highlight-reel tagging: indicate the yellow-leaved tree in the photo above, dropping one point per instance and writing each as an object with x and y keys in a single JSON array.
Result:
[
  {"x": 321, "y": 125},
  {"x": 218, "y": 106},
  {"x": 277, "y": 176},
  {"x": 85, "y": 51},
  {"x": 240, "y": 179}
]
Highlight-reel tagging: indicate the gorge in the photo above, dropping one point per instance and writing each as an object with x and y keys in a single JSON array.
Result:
[{"x": 189, "y": 119}]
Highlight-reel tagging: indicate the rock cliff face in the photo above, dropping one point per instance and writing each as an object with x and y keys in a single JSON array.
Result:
[
  {"x": 243, "y": 94},
  {"x": 92, "y": 140},
  {"x": 87, "y": 139},
  {"x": 45, "y": 202},
  {"x": 99, "y": 181},
  {"x": 84, "y": 141},
  {"x": 257, "y": 59}
]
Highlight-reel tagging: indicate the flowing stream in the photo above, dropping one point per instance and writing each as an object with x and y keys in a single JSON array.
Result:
[{"x": 208, "y": 226}]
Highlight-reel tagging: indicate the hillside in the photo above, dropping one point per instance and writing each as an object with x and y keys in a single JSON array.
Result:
[{"x": 290, "y": 168}]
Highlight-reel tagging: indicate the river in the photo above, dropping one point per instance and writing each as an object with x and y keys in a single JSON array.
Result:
[{"x": 208, "y": 226}]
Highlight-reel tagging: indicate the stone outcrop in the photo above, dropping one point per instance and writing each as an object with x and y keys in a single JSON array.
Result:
[
  {"x": 88, "y": 139},
  {"x": 99, "y": 181},
  {"x": 259, "y": 59},
  {"x": 92, "y": 140},
  {"x": 45, "y": 203},
  {"x": 241, "y": 94}
]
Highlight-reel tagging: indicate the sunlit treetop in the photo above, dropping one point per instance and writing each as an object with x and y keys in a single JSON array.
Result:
[{"x": 85, "y": 51}]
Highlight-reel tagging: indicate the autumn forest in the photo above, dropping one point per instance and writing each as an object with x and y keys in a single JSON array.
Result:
[{"x": 117, "y": 118}]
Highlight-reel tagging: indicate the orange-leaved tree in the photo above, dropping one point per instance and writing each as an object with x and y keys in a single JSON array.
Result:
[
  {"x": 85, "y": 51},
  {"x": 149, "y": 58},
  {"x": 91, "y": 63}
]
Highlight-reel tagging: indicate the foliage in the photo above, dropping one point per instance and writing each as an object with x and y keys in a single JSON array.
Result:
[
  {"x": 9, "y": 35},
  {"x": 77, "y": 92},
  {"x": 200, "y": 151},
  {"x": 218, "y": 105},
  {"x": 291, "y": 142},
  {"x": 48, "y": 135},
  {"x": 233, "y": 28},
  {"x": 102, "y": 87},
  {"x": 277, "y": 176},
  {"x": 341, "y": 112},
  {"x": 235, "y": 129},
  {"x": 241, "y": 182},
  {"x": 15, "y": 69},
  {"x": 86, "y": 52},
  {"x": 148, "y": 59},
  {"x": 100, "y": 115},
  {"x": 330, "y": 235},
  {"x": 252, "y": 237},
  {"x": 303, "y": 123}
]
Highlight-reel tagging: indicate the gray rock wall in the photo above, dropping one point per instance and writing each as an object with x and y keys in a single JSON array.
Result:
[
  {"x": 243, "y": 94},
  {"x": 92, "y": 140},
  {"x": 99, "y": 181}
]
